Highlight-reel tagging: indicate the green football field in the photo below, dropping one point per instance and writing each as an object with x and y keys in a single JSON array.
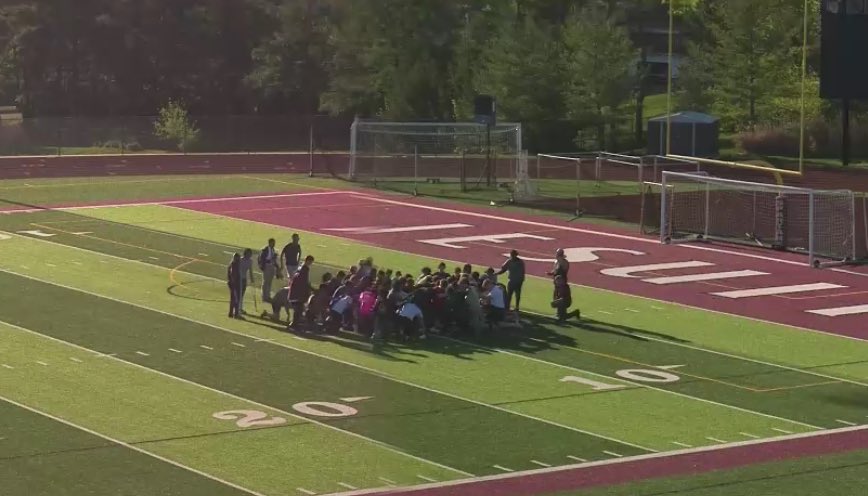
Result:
[{"x": 120, "y": 373}]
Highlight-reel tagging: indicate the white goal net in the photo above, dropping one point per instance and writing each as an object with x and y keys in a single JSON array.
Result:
[
  {"x": 424, "y": 152},
  {"x": 819, "y": 223}
]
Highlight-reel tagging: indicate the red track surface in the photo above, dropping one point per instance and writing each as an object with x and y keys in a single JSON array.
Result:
[
  {"x": 549, "y": 481},
  {"x": 323, "y": 214}
]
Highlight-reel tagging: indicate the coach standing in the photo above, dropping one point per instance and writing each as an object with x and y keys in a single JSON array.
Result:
[
  {"x": 269, "y": 265},
  {"x": 299, "y": 292},
  {"x": 233, "y": 280},
  {"x": 290, "y": 257},
  {"x": 515, "y": 266}
]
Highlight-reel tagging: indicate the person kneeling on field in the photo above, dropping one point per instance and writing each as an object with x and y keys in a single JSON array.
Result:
[
  {"x": 494, "y": 303},
  {"x": 279, "y": 301},
  {"x": 563, "y": 300},
  {"x": 341, "y": 305},
  {"x": 367, "y": 311},
  {"x": 410, "y": 320}
]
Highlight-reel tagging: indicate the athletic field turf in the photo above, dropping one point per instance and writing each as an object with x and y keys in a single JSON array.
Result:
[{"x": 695, "y": 370}]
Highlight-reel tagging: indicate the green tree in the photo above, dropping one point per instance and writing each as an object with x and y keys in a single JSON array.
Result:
[
  {"x": 751, "y": 55},
  {"x": 601, "y": 71},
  {"x": 175, "y": 125}
]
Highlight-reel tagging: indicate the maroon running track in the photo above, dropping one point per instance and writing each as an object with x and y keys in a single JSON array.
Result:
[
  {"x": 647, "y": 467},
  {"x": 838, "y": 306}
]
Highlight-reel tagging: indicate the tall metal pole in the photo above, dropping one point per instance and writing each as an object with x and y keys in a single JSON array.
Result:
[
  {"x": 845, "y": 101},
  {"x": 488, "y": 155}
]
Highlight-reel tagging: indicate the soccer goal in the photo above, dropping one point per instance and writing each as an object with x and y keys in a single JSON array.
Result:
[
  {"x": 413, "y": 154},
  {"x": 818, "y": 223}
]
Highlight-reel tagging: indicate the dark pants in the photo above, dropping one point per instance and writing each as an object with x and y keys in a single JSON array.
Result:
[
  {"x": 297, "y": 307},
  {"x": 514, "y": 288},
  {"x": 562, "y": 305},
  {"x": 234, "y": 299}
]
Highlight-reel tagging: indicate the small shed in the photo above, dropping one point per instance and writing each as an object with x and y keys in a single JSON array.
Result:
[{"x": 693, "y": 133}]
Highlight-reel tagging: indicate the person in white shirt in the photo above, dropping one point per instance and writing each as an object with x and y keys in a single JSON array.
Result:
[
  {"x": 269, "y": 265},
  {"x": 246, "y": 276},
  {"x": 494, "y": 303},
  {"x": 411, "y": 321}
]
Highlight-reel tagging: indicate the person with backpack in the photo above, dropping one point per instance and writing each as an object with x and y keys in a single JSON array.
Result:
[{"x": 270, "y": 267}]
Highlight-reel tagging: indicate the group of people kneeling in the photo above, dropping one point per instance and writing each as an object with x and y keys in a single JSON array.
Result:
[{"x": 376, "y": 303}]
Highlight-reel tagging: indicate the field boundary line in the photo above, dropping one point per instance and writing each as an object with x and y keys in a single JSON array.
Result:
[
  {"x": 331, "y": 359},
  {"x": 610, "y": 291},
  {"x": 611, "y": 461},
  {"x": 114, "y": 180},
  {"x": 191, "y": 201},
  {"x": 221, "y": 392},
  {"x": 127, "y": 445}
]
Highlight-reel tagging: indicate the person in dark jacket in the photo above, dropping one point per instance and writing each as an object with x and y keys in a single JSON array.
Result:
[
  {"x": 233, "y": 280},
  {"x": 299, "y": 292},
  {"x": 515, "y": 266}
]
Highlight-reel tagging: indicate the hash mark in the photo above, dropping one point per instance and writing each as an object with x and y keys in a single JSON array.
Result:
[
  {"x": 505, "y": 469},
  {"x": 204, "y": 254},
  {"x": 173, "y": 350},
  {"x": 631, "y": 310},
  {"x": 51, "y": 265},
  {"x": 305, "y": 491},
  {"x": 76, "y": 360},
  {"x": 8, "y": 366},
  {"x": 576, "y": 458},
  {"x": 782, "y": 430},
  {"x": 748, "y": 434},
  {"x": 612, "y": 453},
  {"x": 46, "y": 365},
  {"x": 541, "y": 464},
  {"x": 604, "y": 312},
  {"x": 429, "y": 479},
  {"x": 154, "y": 258},
  {"x": 142, "y": 353},
  {"x": 845, "y": 422},
  {"x": 387, "y": 481},
  {"x": 683, "y": 445},
  {"x": 656, "y": 308},
  {"x": 348, "y": 486},
  {"x": 721, "y": 441},
  {"x": 205, "y": 347},
  {"x": 238, "y": 345}
]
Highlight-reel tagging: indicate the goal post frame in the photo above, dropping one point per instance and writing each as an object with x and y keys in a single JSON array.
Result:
[{"x": 817, "y": 255}]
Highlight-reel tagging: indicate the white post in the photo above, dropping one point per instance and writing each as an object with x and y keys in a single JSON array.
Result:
[
  {"x": 811, "y": 228},
  {"x": 354, "y": 129},
  {"x": 578, "y": 187},
  {"x": 537, "y": 166},
  {"x": 707, "y": 208},
  {"x": 310, "y": 153},
  {"x": 416, "y": 170},
  {"x": 664, "y": 193}
]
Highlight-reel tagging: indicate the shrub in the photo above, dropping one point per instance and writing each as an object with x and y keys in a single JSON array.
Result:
[
  {"x": 175, "y": 125},
  {"x": 822, "y": 140}
]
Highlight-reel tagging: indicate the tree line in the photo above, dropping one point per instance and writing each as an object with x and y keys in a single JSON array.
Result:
[{"x": 558, "y": 66}]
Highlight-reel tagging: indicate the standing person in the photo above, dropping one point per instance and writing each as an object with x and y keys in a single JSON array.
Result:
[
  {"x": 246, "y": 265},
  {"x": 515, "y": 280},
  {"x": 563, "y": 300},
  {"x": 299, "y": 292},
  {"x": 561, "y": 266},
  {"x": 270, "y": 266},
  {"x": 233, "y": 280},
  {"x": 290, "y": 257}
]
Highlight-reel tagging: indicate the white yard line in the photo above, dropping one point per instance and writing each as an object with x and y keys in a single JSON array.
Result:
[
  {"x": 76, "y": 360},
  {"x": 716, "y": 440},
  {"x": 347, "y": 486},
  {"x": 612, "y": 453},
  {"x": 683, "y": 445},
  {"x": 129, "y": 446},
  {"x": 239, "y": 345},
  {"x": 424, "y": 478},
  {"x": 503, "y": 469},
  {"x": 173, "y": 350},
  {"x": 541, "y": 464},
  {"x": 845, "y": 422},
  {"x": 206, "y": 347},
  {"x": 142, "y": 353},
  {"x": 748, "y": 434},
  {"x": 576, "y": 458}
]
